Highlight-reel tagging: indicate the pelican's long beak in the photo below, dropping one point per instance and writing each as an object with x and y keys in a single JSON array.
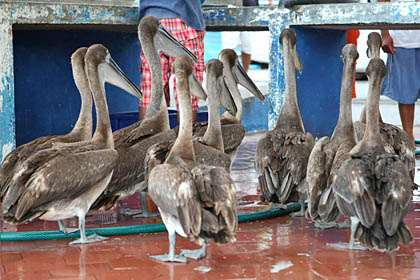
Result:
[
  {"x": 170, "y": 46},
  {"x": 114, "y": 75},
  {"x": 196, "y": 88},
  {"x": 296, "y": 60},
  {"x": 242, "y": 78},
  {"x": 225, "y": 96}
]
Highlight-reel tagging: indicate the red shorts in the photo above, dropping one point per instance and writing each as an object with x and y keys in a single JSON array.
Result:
[{"x": 190, "y": 38}]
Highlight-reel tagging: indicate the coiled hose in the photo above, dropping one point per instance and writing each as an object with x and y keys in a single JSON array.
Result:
[{"x": 137, "y": 229}]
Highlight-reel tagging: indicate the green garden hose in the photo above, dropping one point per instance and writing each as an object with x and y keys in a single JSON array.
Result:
[{"x": 137, "y": 229}]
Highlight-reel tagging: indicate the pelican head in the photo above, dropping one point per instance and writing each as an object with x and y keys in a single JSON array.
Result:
[
  {"x": 288, "y": 40},
  {"x": 98, "y": 56},
  {"x": 230, "y": 60},
  {"x": 78, "y": 57},
  {"x": 374, "y": 44},
  {"x": 183, "y": 66},
  {"x": 214, "y": 68},
  {"x": 151, "y": 29},
  {"x": 349, "y": 52},
  {"x": 376, "y": 67}
]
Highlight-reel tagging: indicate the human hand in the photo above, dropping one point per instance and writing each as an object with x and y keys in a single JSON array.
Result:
[{"x": 387, "y": 42}]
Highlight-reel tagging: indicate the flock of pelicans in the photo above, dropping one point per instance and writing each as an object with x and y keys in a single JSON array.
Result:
[{"x": 364, "y": 172}]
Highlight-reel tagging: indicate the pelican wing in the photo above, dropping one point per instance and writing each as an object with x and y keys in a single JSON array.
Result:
[
  {"x": 316, "y": 176},
  {"x": 130, "y": 170},
  {"x": 232, "y": 134},
  {"x": 392, "y": 201},
  {"x": 355, "y": 189},
  {"x": 327, "y": 208},
  {"x": 396, "y": 188},
  {"x": 217, "y": 194},
  {"x": 401, "y": 144},
  {"x": 281, "y": 162},
  {"x": 211, "y": 156},
  {"x": 21, "y": 175},
  {"x": 173, "y": 191},
  {"x": 66, "y": 176},
  {"x": 138, "y": 131},
  {"x": 12, "y": 161}
]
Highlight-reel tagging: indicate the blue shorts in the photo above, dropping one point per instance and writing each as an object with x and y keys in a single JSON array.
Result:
[{"x": 402, "y": 81}]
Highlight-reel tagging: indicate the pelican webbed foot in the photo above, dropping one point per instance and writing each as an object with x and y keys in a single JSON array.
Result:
[
  {"x": 89, "y": 239},
  {"x": 347, "y": 246},
  {"x": 169, "y": 258},
  {"x": 194, "y": 254},
  {"x": 86, "y": 239}
]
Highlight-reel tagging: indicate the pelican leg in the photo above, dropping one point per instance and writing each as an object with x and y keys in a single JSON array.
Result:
[
  {"x": 194, "y": 254},
  {"x": 350, "y": 245},
  {"x": 301, "y": 212},
  {"x": 64, "y": 229},
  {"x": 171, "y": 257},
  {"x": 126, "y": 211},
  {"x": 86, "y": 239},
  {"x": 144, "y": 213}
]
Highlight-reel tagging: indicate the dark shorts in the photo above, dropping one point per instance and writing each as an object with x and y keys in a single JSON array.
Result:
[
  {"x": 250, "y": 2},
  {"x": 402, "y": 81}
]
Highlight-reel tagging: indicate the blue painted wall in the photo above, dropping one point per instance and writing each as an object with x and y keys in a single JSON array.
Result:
[
  {"x": 318, "y": 87},
  {"x": 46, "y": 98}
]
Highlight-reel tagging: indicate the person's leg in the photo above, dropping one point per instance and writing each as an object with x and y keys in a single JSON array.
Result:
[
  {"x": 142, "y": 112},
  {"x": 407, "y": 118},
  {"x": 246, "y": 49},
  {"x": 246, "y": 60}
]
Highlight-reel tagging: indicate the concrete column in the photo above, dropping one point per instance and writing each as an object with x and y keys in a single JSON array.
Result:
[
  {"x": 277, "y": 84},
  {"x": 7, "y": 105}
]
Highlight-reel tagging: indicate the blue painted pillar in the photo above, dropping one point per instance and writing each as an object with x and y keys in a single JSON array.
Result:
[
  {"x": 7, "y": 104},
  {"x": 318, "y": 86},
  {"x": 277, "y": 84}
]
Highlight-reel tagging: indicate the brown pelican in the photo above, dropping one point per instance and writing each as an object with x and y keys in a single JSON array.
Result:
[
  {"x": 62, "y": 182},
  {"x": 208, "y": 149},
  {"x": 82, "y": 130},
  {"x": 154, "y": 38},
  {"x": 373, "y": 187},
  {"x": 282, "y": 154},
  {"x": 196, "y": 201},
  {"x": 328, "y": 154},
  {"x": 133, "y": 141},
  {"x": 394, "y": 139},
  {"x": 232, "y": 130}
]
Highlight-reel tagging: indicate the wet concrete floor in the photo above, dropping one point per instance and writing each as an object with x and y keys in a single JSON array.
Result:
[{"x": 277, "y": 248}]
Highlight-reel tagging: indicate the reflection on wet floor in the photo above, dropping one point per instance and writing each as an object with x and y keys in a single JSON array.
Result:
[{"x": 279, "y": 248}]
